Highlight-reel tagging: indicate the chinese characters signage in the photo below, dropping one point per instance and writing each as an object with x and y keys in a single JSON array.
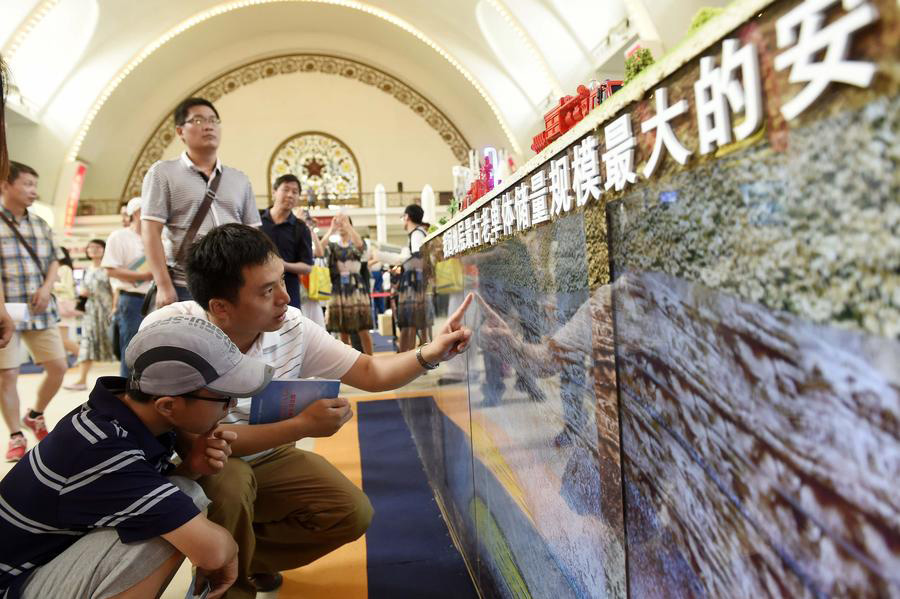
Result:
[{"x": 812, "y": 48}]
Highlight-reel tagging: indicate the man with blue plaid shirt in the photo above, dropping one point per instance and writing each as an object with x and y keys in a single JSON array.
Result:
[{"x": 27, "y": 280}]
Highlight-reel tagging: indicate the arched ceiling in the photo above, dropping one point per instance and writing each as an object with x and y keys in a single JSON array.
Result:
[{"x": 491, "y": 65}]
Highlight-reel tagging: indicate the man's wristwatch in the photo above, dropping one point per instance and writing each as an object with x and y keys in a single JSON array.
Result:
[{"x": 425, "y": 365}]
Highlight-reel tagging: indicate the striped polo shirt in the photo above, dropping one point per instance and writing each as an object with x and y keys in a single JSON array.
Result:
[
  {"x": 173, "y": 191},
  {"x": 99, "y": 467},
  {"x": 299, "y": 349}
]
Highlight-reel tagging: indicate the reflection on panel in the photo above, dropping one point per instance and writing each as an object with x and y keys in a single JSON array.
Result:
[
  {"x": 440, "y": 428},
  {"x": 548, "y": 496}
]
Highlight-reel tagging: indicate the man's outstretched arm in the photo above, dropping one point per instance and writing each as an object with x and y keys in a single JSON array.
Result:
[{"x": 383, "y": 373}]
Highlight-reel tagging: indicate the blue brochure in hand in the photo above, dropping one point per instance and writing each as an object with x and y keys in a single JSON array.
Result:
[
  {"x": 204, "y": 589},
  {"x": 285, "y": 398}
]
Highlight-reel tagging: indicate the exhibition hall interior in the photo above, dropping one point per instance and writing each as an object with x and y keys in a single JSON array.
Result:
[{"x": 564, "y": 299}]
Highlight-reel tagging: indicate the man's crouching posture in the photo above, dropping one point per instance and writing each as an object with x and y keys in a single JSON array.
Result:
[
  {"x": 96, "y": 510},
  {"x": 286, "y": 507}
]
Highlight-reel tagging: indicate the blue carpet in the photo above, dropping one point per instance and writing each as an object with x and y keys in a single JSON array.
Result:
[
  {"x": 382, "y": 343},
  {"x": 409, "y": 551}
]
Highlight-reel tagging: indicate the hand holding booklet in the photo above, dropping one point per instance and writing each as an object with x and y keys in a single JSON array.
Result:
[{"x": 285, "y": 398}]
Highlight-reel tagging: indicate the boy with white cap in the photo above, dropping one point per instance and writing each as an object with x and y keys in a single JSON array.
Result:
[
  {"x": 123, "y": 262},
  {"x": 92, "y": 511}
]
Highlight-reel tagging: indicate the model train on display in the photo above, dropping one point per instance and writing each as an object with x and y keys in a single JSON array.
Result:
[{"x": 570, "y": 110}]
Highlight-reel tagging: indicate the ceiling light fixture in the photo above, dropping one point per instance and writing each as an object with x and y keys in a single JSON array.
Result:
[
  {"x": 31, "y": 21},
  {"x": 552, "y": 82}
]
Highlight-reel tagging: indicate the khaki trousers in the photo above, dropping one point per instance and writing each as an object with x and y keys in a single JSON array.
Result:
[{"x": 285, "y": 509}]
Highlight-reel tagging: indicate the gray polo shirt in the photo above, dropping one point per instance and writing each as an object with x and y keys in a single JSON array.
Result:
[{"x": 172, "y": 193}]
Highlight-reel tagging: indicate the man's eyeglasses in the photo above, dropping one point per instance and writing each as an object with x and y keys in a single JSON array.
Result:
[
  {"x": 225, "y": 399},
  {"x": 199, "y": 121}
]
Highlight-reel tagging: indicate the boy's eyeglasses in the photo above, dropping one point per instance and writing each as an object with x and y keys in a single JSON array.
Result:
[{"x": 225, "y": 399}]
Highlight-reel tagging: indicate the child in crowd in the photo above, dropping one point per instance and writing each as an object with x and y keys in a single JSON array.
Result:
[{"x": 96, "y": 508}]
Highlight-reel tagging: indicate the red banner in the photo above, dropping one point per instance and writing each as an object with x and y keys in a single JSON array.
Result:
[{"x": 74, "y": 196}]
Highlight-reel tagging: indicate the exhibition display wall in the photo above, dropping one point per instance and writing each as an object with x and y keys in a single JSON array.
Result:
[{"x": 685, "y": 374}]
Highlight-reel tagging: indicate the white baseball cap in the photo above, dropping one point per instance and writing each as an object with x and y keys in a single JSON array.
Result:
[
  {"x": 133, "y": 205},
  {"x": 183, "y": 354}
]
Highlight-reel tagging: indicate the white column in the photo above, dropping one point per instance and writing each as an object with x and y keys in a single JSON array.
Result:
[
  {"x": 428, "y": 204},
  {"x": 380, "y": 214},
  {"x": 501, "y": 169}
]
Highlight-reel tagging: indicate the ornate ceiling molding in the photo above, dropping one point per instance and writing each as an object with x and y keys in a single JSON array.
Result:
[{"x": 299, "y": 63}]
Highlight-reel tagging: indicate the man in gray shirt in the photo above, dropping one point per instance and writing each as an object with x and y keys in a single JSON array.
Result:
[{"x": 173, "y": 191}]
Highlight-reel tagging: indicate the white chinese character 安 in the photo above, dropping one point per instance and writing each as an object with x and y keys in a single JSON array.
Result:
[
  {"x": 560, "y": 186},
  {"x": 538, "y": 197},
  {"x": 586, "y": 170},
  {"x": 665, "y": 137},
  {"x": 509, "y": 214},
  {"x": 619, "y": 155},
  {"x": 718, "y": 88},
  {"x": 817, "y": 39},
  {"x": 523, "y": 207}
]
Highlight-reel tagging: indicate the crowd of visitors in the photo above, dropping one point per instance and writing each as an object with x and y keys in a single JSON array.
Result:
[{"x": 201, "y": 296}]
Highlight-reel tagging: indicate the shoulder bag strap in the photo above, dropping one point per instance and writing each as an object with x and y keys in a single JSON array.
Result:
[
  {"x": 27, "y": 246},
  {"x": 411, "y": 252},
  {"x": 198, "y": 220}
]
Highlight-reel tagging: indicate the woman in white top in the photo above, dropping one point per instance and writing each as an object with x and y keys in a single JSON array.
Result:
[{"x": 414, "y": 313}]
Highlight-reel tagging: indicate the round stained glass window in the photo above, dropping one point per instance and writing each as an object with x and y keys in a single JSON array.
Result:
[{"x": 323, "y": 164}]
